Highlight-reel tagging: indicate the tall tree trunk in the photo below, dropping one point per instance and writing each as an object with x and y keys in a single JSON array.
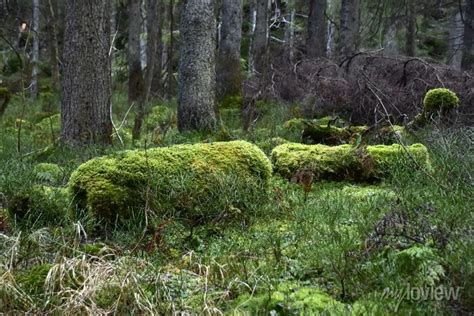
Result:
[
  {"x": 53, "y": 45},
  {"x": 290, "y": 31},
  {"x": 390, "y": 42},
  {"x": 229, "y": 75},
  {"x": 152, "y": 25},
  {"x": 410, "y": 46},
  {"x": 157, "y": 81},
  {"x": 456, "y": 32},
  {"x": 350, "y": 24},
  {"x": 35, "y": 51},
  {"x": 468, "y": 53},
  {"x": 135, "y": 75},
  {"x": 197, "y": 76},
  {"x": 170, "y": 52},
  {"x": 86, "y": 79},
  {"x": 316, "y": 43},
  {"x": 260, "y": 38},
  {"x": 251, "y": 32}
]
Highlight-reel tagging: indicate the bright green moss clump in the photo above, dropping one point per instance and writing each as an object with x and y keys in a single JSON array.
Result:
[
  {"x": 440, "y": 99},
  {"x": 344, "y": 162},
  {"x": 289, "y": 299},
  {"x": 196, "y": 180}
]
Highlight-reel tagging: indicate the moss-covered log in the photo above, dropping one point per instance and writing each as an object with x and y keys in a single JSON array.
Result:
[
  {"x": 198, "y": 180},
  {"x": 344, "y": 162}
]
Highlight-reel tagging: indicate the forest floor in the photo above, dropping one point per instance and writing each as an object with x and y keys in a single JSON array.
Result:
[{"x": 399, "y": 246}]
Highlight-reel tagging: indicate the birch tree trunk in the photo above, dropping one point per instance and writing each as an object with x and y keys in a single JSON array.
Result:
[
  {"x": 316, "y": 43},
  {"x": 196, "y": 75},
  {"x": 86, "y": 79},
  {"x": 229, "y": 75}
]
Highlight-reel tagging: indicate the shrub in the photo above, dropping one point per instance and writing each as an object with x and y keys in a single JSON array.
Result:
[
  {"x": 440, "y": 99},
  {"x": 289, "y": 299},
  {"x": 343, "y": 162},
  {"x": 199, "y": 180}
]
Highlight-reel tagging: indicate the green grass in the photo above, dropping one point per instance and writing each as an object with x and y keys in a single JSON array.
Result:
[{"x": 344, "y": 242}]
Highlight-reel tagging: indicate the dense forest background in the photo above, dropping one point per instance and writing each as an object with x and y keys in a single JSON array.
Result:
[{"x": 236, "y": 157}]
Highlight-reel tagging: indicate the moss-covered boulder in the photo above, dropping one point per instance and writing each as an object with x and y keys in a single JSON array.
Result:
[
  {"x": 344, "y": 162},
  {"x": 200, "y": 180},
  {"x": 440, "y": 100}
]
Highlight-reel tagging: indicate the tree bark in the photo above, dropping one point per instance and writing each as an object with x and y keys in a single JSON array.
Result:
[
  {"x": 260, "y": 39},
  {"x": 229, "y": 75},
  {"x": 53, "y": 45},
  {"x": 456, "y": 32},
  {"x": 468, "y": 53},
  {"x": 157, "y": 81},
  {"x": 350, "y": 24},
  {"x": 410, "y": 46},
  {"x": 196, "y": 75},
  {"x": 152, "y": 25},
  {"x": 35, "y": 50},
  {"x": 86, "y": 79},
  {"x": 170, "y": 51},
  {"x": 316, "y": 43},
  {"x": 135, "y": 75}
]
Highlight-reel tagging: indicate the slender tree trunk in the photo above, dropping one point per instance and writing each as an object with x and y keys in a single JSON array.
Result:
[
  {"x": 290, "y": 29},
  {"x": 169, "y": 65},
  {"x": 260, "y": 39},
  {"x": 35, "y": 51},
  {"x": 152, "y": 25},
  {"x": 316, "y": 43},
  {"x": 410, "y": 46},
  {"x": 251, "y": 32},
  {"x": 53, "y": 45},
  {"x": 390, "y": 43},
  {"x": 350, "y": 24},
  {"x": 468, "y": 53},
  {"x": 197, "y": 77},
  {"x": 456, "y": 32},
  {"x": 157, "y": 81},
  {"x": 86, "y": 79},
  {"x": 135, "y": 75},
  {"x": 229, "y": 75}
]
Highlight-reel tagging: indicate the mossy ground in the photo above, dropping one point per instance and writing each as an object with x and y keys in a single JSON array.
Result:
[{"x": 332, "y": 247}]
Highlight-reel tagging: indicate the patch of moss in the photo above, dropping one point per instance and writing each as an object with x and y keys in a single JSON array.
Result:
[
  {"x": 187, "y": 178},
  {"x": 40, "y": 202},
  {"x": 343, "y": 162},
  {"x": 32, "y": 280},
  {"x": 48, "y": 172},
  {"x": 289, "y": 299},
  {"x": 440, "y": 99}
]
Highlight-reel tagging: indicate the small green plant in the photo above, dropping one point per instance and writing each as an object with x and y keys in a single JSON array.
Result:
[{"x": 440, "y": 99}]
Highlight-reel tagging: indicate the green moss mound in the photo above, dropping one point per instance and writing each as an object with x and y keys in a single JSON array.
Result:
[
  {"x": 440, "y": 99},
  {"x": 197, "y": 180},
  {"x": 344, "y": 162},
  {"x": 288, "y": 299}
]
